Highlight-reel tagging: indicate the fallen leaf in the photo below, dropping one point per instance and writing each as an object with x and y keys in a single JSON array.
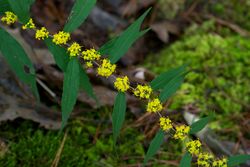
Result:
[
  {"x": 163, "y": 29},
  {"x": 16, "y": 101}
]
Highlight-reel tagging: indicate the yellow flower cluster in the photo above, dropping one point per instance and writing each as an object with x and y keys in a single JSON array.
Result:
[
  {"x": 29, "y": 25},
  {"x": 61, "y": 38},
  {"x": 220, "y": 163},
  {"x": 165, "y": 123},
  {"x": 74, "y": 49},
  {"x": 9, "y": 18},
  {"x": 91, "y": 55},
  {"x": 193, "y": 147},
  {"x": 154, "y": 105},
  {"x": 143, "y": 91},
  {"x": 106, "y": 69},
  {"x": 42, "y": 33},
  {"x": 204, "y": 159},
  {"x": 89, "y": 64},
  {"x": 122, "y": 84},
  {"x": 181, "y": 132}
]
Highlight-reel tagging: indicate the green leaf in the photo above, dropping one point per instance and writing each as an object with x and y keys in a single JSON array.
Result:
[
  {"x": 105, "y": 49},
  {"x": 18, "y": 60},
  {"x": 79, "y": 13},
  {"x": 118, "y": 46},
  {"x": 237, "y": 160},
  {"x": 4, "y": 6},
  {"x": 70, "y": 89},
  {"x": 59, "y": 53},
  {"x": 171, "y": 87},
  {"x": 160, "y": 81},
  {"x": 118, "y": 115},
  {"x": 154, "y": 146},
  {"x": 200, "y": 124},
  {"x": 85, "y": 83},
  {"x": 21, "y": 8},
  {"x": 186, "y": 160}
]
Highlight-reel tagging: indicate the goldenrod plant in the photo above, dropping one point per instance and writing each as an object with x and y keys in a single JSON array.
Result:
[{"x": 67, "y": 55}]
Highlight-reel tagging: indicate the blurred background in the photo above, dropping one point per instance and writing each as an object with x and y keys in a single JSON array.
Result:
[{"x": 211, "y": 36}]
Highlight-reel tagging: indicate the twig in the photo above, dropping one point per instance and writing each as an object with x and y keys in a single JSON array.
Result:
[
  {"x": 191, "y": 8},
  {"x": 45, "y": 87},
  {"x": 59, "y": 151},
  {"x": 232, "y": 26}
]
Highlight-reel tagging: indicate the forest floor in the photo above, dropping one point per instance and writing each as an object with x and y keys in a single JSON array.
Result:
[{"x": 212, "y": 37}]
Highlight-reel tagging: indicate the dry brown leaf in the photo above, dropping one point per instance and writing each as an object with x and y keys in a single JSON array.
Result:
[{"x": 162, "y": 29}]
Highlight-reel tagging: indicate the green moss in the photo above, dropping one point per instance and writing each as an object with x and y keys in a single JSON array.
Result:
[
  {"x": 220, "y": 72},
  {"x": 89, "y": 143},
  {"x": 234, "y": 11}
]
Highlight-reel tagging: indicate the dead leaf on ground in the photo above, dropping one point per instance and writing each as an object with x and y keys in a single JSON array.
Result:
[
  {"x": 17, "y": 103},
  {"x": 164, "y": 28},
  {"x": 44, "y": 57},
  {"x": 133, "y": 6},
  {"x": 12, "y": 109}
]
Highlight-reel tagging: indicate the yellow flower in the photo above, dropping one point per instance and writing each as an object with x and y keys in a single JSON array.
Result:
[
  {"x": 181, "y": 132},
  {"x": 154, "y": 105},
  {"x": 203, "y": 159},
  {"x": 61, "y": 38},
  {"x": 106, "y": 69},
  {"x": 89, "y": 64},
  {"x": 194, "y": 147},
  {"x": 90, "y": 55},
  {"x": 30, "y": 24},
  {"x": 143, "y": 91},
  {"x": 220, "y": 163},
  {"x": 9, "y": 18},
  {"x": 165, "y": 123},
  {"x": 74, "y": 49},
  {"x": 42, "y": 33},
  {"x": 122, "y": 84}
]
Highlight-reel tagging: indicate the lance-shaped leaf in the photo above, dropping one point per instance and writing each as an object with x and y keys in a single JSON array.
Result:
[
  {"x": 119, "y": 46},
  {"x": 18, "y": 60},
  {"x": 59, "y": 53},
  {"x": 160, "y": 81},
  {"x": 237, "y": 160},
  {"x": 21, "y": 8},
  {"x": 85, "y": 83},
  {"x": 186, "y": 160},
  {"x": 105, "y": 49},
  {"x": 118, "y": 115},
  {"x": 70, "y": 89},
  {"x": 79, "y": 13},
  {"x": 154, "y": 146},
  {"x": 4, "y": 6},
  {"x": 200, "y": 124},
  {"x": 171, "y": 87}
]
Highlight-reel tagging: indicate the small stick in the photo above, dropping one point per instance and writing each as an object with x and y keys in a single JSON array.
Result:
[
  {"x": 51, "y": 93},
  {"x": 59, "y": 151}
]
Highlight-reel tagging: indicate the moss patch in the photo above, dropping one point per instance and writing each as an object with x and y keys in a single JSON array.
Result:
[
  {"x": 219, "y": 77},
  {"x": 89, "y": 143}
]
